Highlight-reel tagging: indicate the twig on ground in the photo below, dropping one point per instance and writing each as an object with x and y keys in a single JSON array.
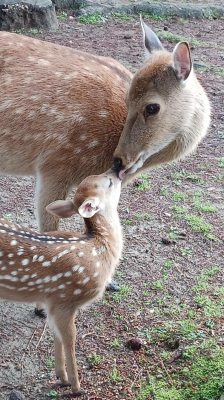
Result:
[{"x": 42, "y": 334}]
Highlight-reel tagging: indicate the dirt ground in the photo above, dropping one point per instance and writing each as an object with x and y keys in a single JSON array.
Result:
[{"x": 163, "y": 256}]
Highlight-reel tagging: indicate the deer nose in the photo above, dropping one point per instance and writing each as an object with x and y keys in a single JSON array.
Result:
[{"x": 117, "y": 164}]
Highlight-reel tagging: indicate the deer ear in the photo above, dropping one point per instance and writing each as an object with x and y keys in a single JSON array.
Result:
[
  {"x": 182, "y": 63},
  {"x": 151, "y": 41},
  {"x": 61, "y": 208},
  {"x": 89, "y": 207}
]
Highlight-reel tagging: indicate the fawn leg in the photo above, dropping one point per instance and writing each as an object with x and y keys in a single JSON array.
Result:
[
  {"x": 65, "y": 325},
  {"x": 48, "y": 189},
  {"x": 60, "y": 370}
]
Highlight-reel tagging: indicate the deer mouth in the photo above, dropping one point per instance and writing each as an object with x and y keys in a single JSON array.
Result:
[{"x": 131, "y": 170}]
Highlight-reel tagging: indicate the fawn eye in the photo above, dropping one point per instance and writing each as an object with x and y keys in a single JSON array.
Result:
[
  {"x": 111, "y": 182},
  {"x": 151, "y": 109}
]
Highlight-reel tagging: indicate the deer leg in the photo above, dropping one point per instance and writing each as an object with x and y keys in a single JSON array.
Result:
[
  {"x": 60, "y": 370},
  {"x": 48, "y": 189},
  {"x": 66, "y": 327}
]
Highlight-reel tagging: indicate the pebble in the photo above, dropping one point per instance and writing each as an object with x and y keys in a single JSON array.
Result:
[{"x": 16, "y": 395}]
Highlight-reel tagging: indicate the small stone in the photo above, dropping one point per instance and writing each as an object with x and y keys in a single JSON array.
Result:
[
  {"x": 134, "y": 344},
  {"x": 16, "y": 395},
  {"x": 167, "y": 241},
  {"x": 159, "y": 377}
]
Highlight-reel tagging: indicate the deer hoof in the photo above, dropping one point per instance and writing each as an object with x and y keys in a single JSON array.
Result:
[
  {"x": 40, "y": 313},
  {"x": 80, "y": 393},
  {"x": 112, "y": 287}
]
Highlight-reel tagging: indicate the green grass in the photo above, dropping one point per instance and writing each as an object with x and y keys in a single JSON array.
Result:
[
  {"x": 221, "y": 164},
  {"x": 204, "y": 207},
  {"x": 95, "y": 359},
  {"x": 171, "y": 37},
  {"x": 123, "y": 16},
  {"x": 92, "y": 19},
  {"x": 62, "y": 16},
  {"x": 144, "y": 184},
  {"x": 198, "y": 224},
  {"x": 114, "y": 376},
  {"x": 50, "y": 364}
]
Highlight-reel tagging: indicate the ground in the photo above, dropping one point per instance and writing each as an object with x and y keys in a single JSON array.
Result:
[{"x": 172, "y": 293}]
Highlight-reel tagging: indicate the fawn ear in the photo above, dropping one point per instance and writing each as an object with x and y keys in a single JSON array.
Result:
[
  {"x": 89, "y": 207},
  {"x": 182, "y": 63},
  {"x": 150, "y": 40},
  {"x": 61, "y": 208}
]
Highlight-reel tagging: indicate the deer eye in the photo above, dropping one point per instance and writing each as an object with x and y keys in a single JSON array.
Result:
[
  {"x": 111, "y": 182},
  {"x": 151, "y": 109}
]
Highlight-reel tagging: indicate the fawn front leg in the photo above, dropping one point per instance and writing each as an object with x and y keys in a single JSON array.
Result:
[
  {"x": 66, "y": 327},
  {"x": 48, "y": 189}
]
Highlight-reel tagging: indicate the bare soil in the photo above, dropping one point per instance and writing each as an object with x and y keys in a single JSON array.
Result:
[{"x": 154, "y": 295}]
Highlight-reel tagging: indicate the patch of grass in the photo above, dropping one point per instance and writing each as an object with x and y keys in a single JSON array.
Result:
[
  {"x": 123, "y": 292},
  {"x": 179, "y": 210},
  {"x": 198, "y": 224},
  {"x": 204, "y": 207},
  {"x": 155, "y": 17},
  {"x": 185, "y": 251},
  {"x": 128, "y": 222},
  {"x": 53, "y": 394},
  {"x": 115, "y": 343},
  {"x": 171, "y": 37},
  {"x": 210, "y": 307},
  {"x": 164, "y": 192},
  {"x": 157, "y": 285},
  {"x": 114, "y": 376},
  {"x": 144, "y": 185},
  {"x": 123, "y": 16},
  {"x": 50, "y": 364},
  {"x": 180, "y": 196},
  {"x": 204, "y": 378},
  {"x": 62, "y": 16},
  {"x": 221, "y": 164},
  {"x": 29, "y": 31},
  {"x": 143, "y": 216},
  {"x": 95, "y": 359},
  {"x": 92, "y": 19}
]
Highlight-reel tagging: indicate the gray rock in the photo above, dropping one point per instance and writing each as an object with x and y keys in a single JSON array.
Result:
[
  {"x": 16, "y": 395},
  {"x": 157, "y": 8},
  {"x": 28, "y": 14}
]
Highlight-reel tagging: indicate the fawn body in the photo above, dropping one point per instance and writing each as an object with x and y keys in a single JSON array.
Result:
[
  {"x": 66, "y": 270},
  {"x": 62, "y": 113}
]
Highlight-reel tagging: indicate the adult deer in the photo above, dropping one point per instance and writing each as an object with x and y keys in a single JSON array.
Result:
[
  {"x": 62, "y": 112},
  {"x": 66, "y": 270}
]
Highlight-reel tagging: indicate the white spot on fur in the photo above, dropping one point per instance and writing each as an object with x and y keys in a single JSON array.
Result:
[
  {"x": 67, "y": 273},
  {"x": 41, "y": 258},
  {"x": 77, "y": 291},
  {"x": 96, "y": 274},
  {"x": 75, "y": 268},
  {"x": 104, "y": 114},
  {"x": 46, "y": 264},
  {"x": 86, "y": 280},
  {"x": 93, "y": 144},
  {"x": 81, "y": 254},
  {"x": 13, "y": 243},
  {"x": 94, "y": 252},
  {"x": 81, "y": 269},
  {"x": 25, "y": 261}
]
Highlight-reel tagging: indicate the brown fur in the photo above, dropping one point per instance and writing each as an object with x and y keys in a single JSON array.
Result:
[
  {"x": 66, "y": 270},
  {"x": 62, "y": 113}
]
